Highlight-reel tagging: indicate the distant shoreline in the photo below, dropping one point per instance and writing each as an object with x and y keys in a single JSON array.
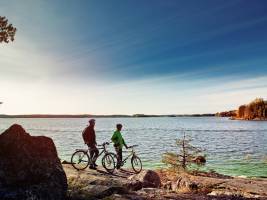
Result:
[
  {"x": 254, "y": 111},
  {"x": 243, "y": 119},
  {"x": 100, "y": 116}
]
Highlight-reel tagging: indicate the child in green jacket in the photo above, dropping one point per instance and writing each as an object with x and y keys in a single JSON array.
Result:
[{"x": 119, "y": 142}]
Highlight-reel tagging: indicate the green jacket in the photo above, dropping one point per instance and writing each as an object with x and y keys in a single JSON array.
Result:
[{"x": 117, "y": 139}]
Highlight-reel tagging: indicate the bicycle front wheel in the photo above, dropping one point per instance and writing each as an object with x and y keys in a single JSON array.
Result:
[
  {"x": 136, "y": 164},
  {"x": 108, "y": 162},
  {"x": 80, "y": 160}
]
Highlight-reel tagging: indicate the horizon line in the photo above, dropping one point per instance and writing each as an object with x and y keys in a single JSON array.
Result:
[{"x": 100, "y": 115}]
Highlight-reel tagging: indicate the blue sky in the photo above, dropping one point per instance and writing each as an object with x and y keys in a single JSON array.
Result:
[{"x": 153, "y": 57}]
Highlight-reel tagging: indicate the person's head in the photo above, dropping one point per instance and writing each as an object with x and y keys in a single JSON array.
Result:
[
  {"x": 92, "y": 122},
  {"x": 119, "y": 127}
]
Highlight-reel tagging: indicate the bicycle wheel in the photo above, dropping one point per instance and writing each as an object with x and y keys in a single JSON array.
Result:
[
  {"x": 114, "y": 158},
  {"x": 108, "y": 162},
  {"x": 80, "y": 160},
  {"x": 136, "y": 164}
]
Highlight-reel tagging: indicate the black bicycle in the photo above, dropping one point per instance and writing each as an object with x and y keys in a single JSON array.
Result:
[
  {"x": 135, "y": 160},
  {"x": 80, "y": 159}
]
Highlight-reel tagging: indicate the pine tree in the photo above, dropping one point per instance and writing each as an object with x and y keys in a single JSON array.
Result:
[{"x": 187, "y": 154}]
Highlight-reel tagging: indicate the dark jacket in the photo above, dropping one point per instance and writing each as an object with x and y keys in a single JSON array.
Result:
[{"x": 89, "y": 136}]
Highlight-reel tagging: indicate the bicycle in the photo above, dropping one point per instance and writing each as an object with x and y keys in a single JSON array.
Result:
[
  {"x": 135, "y": 160},
  {"x": 80, "y": 159}
]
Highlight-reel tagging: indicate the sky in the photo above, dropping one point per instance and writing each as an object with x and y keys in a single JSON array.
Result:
[{"x": 128, "y": 57}]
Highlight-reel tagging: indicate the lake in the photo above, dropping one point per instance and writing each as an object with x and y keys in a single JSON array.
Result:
[{"x": 236, "y": 148}]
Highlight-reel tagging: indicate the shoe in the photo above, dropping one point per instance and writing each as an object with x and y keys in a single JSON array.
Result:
[{"x": 92, "y": 167}]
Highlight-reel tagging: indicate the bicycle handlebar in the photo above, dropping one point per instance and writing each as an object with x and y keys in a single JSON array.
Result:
[
  {"x": 132, "y": 146},
  {"x": 105, "y": 143}
]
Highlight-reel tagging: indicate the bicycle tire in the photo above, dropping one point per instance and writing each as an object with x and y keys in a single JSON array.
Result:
[
  {"x": 78, "y": 165},
  {"x": 108, "y": 160},
  {"x": 134, "y": 161},
  {"x": 115, "y": 158}
]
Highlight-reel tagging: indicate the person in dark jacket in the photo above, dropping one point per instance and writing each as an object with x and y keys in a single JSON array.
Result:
[{"x": 90, "y": 139}]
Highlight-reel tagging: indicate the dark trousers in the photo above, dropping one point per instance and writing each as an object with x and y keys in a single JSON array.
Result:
[
  {"x": 93, "y": 153},
  {"x": 119, "y": 154}
]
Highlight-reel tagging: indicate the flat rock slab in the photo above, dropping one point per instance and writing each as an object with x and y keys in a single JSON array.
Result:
[
  {"x": 99, "y": 176},
  {"x": 96, "y": 184},
  {"x": 215, "y": 186}
]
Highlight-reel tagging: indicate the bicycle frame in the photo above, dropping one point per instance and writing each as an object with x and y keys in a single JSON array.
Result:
[
  {"x": 104, "y": 150},
  {"x": 101, "y": 147},
  {"x": 131, "y": 154}
]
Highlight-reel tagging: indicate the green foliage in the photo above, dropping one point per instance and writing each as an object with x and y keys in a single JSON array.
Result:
[
  {"x": 7, "y": 31},
  {"x": 186, "y": 155}
]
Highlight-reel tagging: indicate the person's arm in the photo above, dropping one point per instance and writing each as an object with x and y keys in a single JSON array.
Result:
[
  {"x": 124, "y": 143},
  {"x": 94, "y": 138}
]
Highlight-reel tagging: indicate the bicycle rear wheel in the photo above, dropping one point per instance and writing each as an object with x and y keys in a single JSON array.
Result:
[
  {"x": 108, "y": 162},
  {"x": 136, "y": 164},
  {"x": 80, "y": 160}
]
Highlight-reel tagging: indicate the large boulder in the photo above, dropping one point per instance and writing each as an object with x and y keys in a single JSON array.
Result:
[
  {"x": 148, "y": 178},
  {"x": 30, "y": 167}
]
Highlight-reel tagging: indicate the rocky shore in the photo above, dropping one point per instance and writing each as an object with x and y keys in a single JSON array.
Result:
[
  {"x": 31, "y": 170},
  {"x": 162, "y": 184}
]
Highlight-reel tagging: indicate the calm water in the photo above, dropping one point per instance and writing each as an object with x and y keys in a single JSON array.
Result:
[{"x": 232, "y": 147}]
